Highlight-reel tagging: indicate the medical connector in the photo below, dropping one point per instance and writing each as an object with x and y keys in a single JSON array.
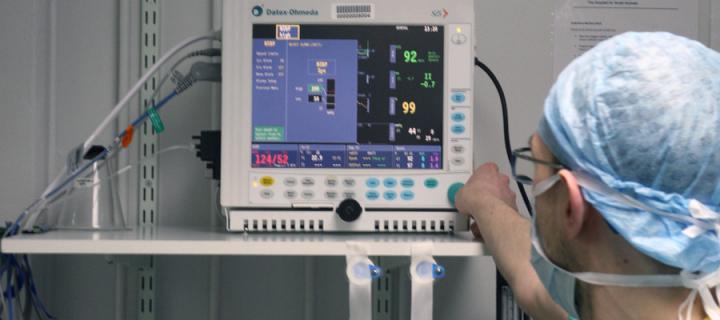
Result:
[
  {"x": 428, "y": 269},
  {"x": 208, "y": 150},
  {"x": 424, "y": 268},
  {"x": 177, "y": 76},
  {"x": 199, "y": 71},
  {"x": 128, "y": 137},
  {"x": 363, "y": 270},
  {"x": 367, "y": 271},
  {"x": 209, "y": 52},
  {"x": 206, "y": 71}
]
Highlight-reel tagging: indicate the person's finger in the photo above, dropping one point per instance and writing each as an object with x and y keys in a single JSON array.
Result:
[
  {"x": 476, "y": 231},
  {"x": 493, "y": 166},
  {"x": 490, "y": 166},
  {"x": 505, "y": 180}
]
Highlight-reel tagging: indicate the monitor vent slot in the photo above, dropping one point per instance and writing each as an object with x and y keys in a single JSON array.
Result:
[
  {"x": 287, "y": 225},
  {"x": 353, "y": 11},
  {"x": 414, "y": 225}
]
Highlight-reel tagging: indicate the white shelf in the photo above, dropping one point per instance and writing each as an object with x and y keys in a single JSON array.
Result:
[{"x": 205, "y": 241}]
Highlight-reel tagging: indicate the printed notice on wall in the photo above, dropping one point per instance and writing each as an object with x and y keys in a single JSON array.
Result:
[{"x": 581, "y": 24}]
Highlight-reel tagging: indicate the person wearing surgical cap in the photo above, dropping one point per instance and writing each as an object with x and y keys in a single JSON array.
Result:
[{"x": 626, "y": 179}]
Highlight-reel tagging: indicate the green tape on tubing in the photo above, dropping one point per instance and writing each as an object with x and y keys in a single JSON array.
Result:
[{"x": 157, "y": 123}]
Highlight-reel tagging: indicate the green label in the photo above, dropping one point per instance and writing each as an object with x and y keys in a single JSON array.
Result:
[
  {"x": 269, "y": 133},
  {"x": 157, "y": 124},
  {"x": 433, "y": 57},
  {"x": 315, "y": 88}
]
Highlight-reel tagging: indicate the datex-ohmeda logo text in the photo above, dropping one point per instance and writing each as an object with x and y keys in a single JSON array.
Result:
[{"x": 257, "y": 11}]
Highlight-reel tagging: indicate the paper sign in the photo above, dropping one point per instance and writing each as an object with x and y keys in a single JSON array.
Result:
[{"x": 581, "y": 24}]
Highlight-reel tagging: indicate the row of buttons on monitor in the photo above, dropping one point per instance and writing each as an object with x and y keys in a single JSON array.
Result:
[
  {"x": 457, "y": 117},
  {"x": 306, "y": 194},
  {"x": 457, "y": 128},
  {"x": 389, "y": 195},
  {"x": 371, "y": 195},
  {"x": 332, "y": 195},
  {"x": 430, "y": 183}
]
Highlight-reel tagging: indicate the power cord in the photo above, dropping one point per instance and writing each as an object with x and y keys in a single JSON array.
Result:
[
  {"x": 501, "y": 282},
  {"x": 506, "y": 127}
]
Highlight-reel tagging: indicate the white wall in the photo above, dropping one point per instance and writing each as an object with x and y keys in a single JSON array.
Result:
[{"x": 62, "y": 65}]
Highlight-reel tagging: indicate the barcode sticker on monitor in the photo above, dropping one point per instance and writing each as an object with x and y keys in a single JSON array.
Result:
[{"x": 353, "y": 11}]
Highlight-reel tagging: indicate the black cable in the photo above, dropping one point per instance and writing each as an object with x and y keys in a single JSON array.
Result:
[
  {"x": 501, "y": 282},
  {"x": 506, "y": 127}
]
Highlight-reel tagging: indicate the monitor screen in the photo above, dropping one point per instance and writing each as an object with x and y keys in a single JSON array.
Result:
[{"x": 347, "y": 96}]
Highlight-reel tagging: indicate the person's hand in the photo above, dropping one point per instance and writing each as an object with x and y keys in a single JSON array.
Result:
[
  {"x": 486, "y": 184},
  {"x": 476, "y": 231}
]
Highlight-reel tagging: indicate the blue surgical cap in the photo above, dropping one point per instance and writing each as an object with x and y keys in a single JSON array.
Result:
[{"x": 640, "y": 113}]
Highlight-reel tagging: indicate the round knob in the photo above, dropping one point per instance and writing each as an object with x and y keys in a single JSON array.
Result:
[
  {"x": 349, "y": 210},
  {"x": 453, "y": 190}
]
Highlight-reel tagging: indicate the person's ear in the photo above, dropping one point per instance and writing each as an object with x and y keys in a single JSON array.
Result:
[{"x": 577, "y": 213}]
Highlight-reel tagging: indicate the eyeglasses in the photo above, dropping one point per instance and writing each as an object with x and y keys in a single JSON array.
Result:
[{"x": 523, "y": 174}]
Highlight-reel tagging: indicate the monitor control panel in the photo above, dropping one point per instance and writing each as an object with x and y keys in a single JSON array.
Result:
[{"x": 346, "y": 116}]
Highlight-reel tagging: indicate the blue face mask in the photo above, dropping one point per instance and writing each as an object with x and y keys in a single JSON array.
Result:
[{"x": 559, "y": 283}]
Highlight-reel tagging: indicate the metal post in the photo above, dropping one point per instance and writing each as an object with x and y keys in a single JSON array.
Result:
[{"x": 148, "y": 183}]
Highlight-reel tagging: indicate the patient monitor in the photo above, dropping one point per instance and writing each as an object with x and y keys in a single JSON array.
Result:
[{"x": 346, "y": 116}]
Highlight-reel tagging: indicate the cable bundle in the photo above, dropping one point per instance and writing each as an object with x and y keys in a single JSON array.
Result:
[{"x": 19, "y": 294}]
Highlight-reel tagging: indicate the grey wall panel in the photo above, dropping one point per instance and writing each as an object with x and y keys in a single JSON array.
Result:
[
  {"x": 184, "y": 191},
  {"x": 181, "y": 290},
  {"x": 85, "y": 69},
  {"x": 331, "y": 289},
  {"x": 468, "y": 290},
  {"x": 513, "y": 39},
  {"x": 262, "y": 288},
  {"x": 23, "y": 113},
  {"x": 83, "y": 288}
]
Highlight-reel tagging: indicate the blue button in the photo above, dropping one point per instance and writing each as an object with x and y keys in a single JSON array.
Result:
[
  {"x": 372, "y": 182},
  {"x": 407, "y": 195},
  {"x": 458, "y": 97},
  {"x": 390, "y": 182},
  {"x": 457, "y": 129},
  {"x": 407, "y": 183},
  {"x": 389, "y": 195},
  {"x": 431, "y": 183},
  {"x": 372, "y": 195},
  {"x": 453, "y": 190},
  {"x": 457, "y": 116}
]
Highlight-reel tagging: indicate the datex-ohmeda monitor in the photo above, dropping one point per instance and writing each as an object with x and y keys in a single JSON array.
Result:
[{"x": 346, "y": 116}]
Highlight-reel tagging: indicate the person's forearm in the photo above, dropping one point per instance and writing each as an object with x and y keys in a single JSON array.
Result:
[{"x": 506, "y": 235}]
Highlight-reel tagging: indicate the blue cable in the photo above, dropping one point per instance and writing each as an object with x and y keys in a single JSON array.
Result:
[
  {"x": 33, "y": 291},
  {"x": 158, "y": 106},
  {"x": 9, "y": 303},
  {"x": 136, "y": 122},
  {"x": 12, "y": 230}
]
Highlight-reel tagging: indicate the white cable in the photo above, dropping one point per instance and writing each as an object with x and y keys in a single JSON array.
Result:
[
  {"x": 215, "y": 35},
  {"x": 187, "y": 147}
]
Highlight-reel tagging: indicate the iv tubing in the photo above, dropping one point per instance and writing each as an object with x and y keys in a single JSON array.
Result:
[{"x": 148, "y": 74}]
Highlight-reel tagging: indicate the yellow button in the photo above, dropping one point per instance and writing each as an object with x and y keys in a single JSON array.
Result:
[{"x": 267, "y": 181}]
